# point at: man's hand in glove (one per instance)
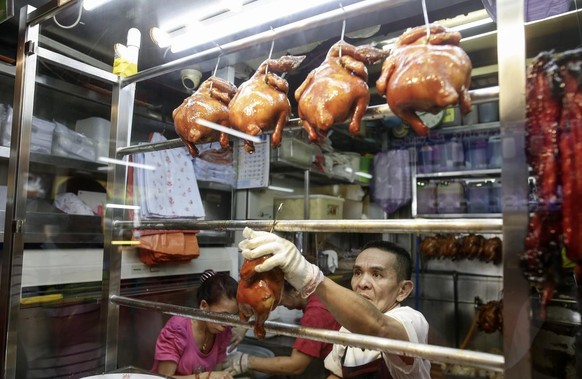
(301, 274)
(236, 363)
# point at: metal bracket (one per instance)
(30, 48)
(18, 226)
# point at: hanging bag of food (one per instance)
(391, 183)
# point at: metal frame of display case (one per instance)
(515, 362)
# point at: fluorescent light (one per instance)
(125, 242)
(472, 24)
(89, 5)
(233, 5)
(122, 206)
(363, 174)
(160, 37)
(126, 163)
(281, 189)
(215, 28)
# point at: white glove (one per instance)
(301, 274)
(236, 363)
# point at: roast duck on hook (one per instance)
(426, 75)
(209, 102)
(261, 103)
(337, 90)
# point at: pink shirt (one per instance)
(176, 343)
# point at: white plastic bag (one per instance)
(391, 185)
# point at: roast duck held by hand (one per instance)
(261, 103)
(337, 89)
(209, 102)
(426, 74)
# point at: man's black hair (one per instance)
(403, 259)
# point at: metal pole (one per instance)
(514, 174)
(431, 352)
(372, 113)
(340, 226)
(18, 167)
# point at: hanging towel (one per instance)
(170, 190)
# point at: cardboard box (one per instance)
(321, 207)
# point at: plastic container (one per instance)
(321, 207)
(489, 112)
(438, 157)
(452, 117)
(294, 151)
(495, 198)
(454, 158)
(472, 117)
(494, 157)
(426, 198)
(451, 198)
(476, 153)
(478, 197)
(425, 159)
(97, 129)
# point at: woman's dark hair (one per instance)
(214, 286)
(403, 260)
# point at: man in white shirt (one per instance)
(380, 282)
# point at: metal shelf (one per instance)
(460, 174)
(460, 215)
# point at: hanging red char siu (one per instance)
(209, 102)
(337, 90)
(261, 103)
(570, 145)
(258, 293)
(426, 74)
(554, 150)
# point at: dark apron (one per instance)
(376, 369)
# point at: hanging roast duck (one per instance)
(209, 102)
(337, 90)
(426, 74)
(261, 103)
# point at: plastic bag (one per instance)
(167, 247)
(391, 184)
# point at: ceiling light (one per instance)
(160, 37)
(233, 5)
(256, 13)
(89, 5)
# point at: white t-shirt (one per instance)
(417, 329)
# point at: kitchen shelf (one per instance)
(468, 128)
(61, 228)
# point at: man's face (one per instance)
(374, 278)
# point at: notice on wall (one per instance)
(253, 169)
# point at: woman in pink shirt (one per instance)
(191, 349)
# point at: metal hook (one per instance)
(343, 29)
(270, 55)
(216, 67)
(425, 13)
(276, 216)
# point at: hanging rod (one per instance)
(487, 225)
(339, 14)
(374, 112)
(487, 361)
